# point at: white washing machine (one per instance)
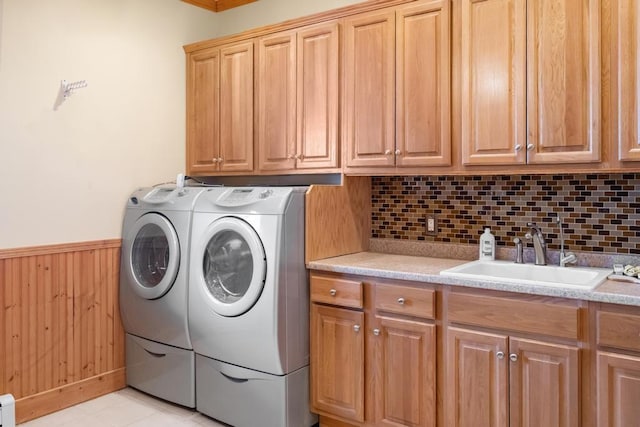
(249, 306)
(153, 292)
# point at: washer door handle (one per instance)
(155, 354)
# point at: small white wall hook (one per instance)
(67, 89)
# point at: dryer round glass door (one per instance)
(153, 252)
(233, 266)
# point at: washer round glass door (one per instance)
(233, 266)
(154, 256)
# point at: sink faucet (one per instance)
(565, 258)
(539, 245)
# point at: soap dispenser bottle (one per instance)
(487, 246)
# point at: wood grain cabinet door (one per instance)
(405, 365)
(493, 74)
(337, 361)
(625, 77)
(563, 81)
(236, 108)
(368, 127)
(317, 95)
(276, 101)
(476, 380)
(618, 390)
(544, 384)
(423, 88)
(203, 131)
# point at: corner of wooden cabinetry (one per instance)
(338, 218)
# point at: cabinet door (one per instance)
(317, 107)
(493, 119)
(369, 88)
(625, 77)
(276, 102)
(476, 381)
(544, 384)
(337, 361)
(618, 390)
(423, 90)
(563, 81)
(404, 367)
(203, 72)
(236, 108)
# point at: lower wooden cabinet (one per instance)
(498, 380)
(618, 366)
(373, 359)
(337, 361)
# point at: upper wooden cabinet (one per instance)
(297, 99)
(530, 76)
(396, 87)
(220, 110)
(625, 77)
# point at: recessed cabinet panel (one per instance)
(423, 85)
(276, 99)
(369, 119)
(236, 108)
(563, 66)
(337, 361)
(317, 120)
(544, 384)
(203, 70)
(625, 77)
(406, 358)
(618, 389)
(477, 379)
(493, 82)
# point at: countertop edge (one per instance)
(353, 264)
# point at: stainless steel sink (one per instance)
(529, 274)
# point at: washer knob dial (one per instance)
(265, 194)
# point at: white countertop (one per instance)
(427, 269)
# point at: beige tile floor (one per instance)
(126, 407)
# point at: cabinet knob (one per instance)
(376, 332)
(356, 328)
(214, 160)
(513, 357)
(333, 292)
(300, 157)
(518, 147)
(530, 147)
(500, 355)
(388, 152)
(398, 152)
(291, 156)
(401, 301)
(220, 160)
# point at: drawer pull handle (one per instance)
(500, 355)
(376, 332)
(333, 292)
(513, 357)
(356, 328)
(401, 301)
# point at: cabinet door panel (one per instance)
(405, 355)
(317, 119)
(236, 107)
(476, 379)
(625, 76)
(563, 80)
(423, 85)
(369, 104)
(544, 386)
(493, 82)
(202, 112)
(618, 390)
(276, 102)
(337, 361)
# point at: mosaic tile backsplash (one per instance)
(600, 212)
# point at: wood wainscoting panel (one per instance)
(60, 323)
